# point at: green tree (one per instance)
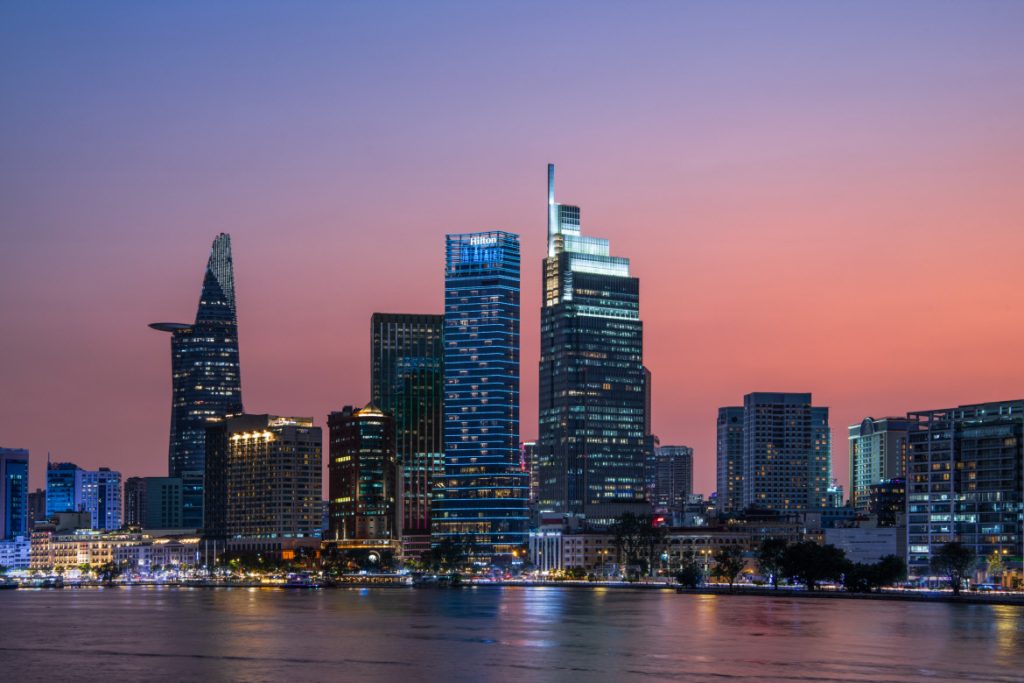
(955, 562)
(890, 570)
(108, 571)
(769, 558)
(728, 564)
(690, 574)
(810, 563)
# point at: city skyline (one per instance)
(861, 219)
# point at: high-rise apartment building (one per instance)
(729, 442)
(787, 453)
(363, 491)
(206, 381)
(878, 453)
(274, 483)
(134, 497)
(965, 475)
(406, 381)
(482, 496)
(673, 480)
(13, 493)
(592, 409)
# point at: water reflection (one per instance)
(494, 634)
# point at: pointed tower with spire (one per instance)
(206, 382)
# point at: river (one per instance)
(496, 634)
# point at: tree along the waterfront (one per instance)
(769, 558)
(954, 561)
(810, 564)
(728, 564)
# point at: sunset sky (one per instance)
(823, 197)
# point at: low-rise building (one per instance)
(15, 553)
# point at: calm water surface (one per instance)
(494, 634)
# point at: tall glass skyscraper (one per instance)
(730, 459)
(13, 492)
(206, 381)
(482, 496)
(406, 381)
(590, 443)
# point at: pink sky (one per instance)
(822, 199)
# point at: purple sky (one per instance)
(816, 196)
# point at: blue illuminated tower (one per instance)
(206, 381)
(481, 500)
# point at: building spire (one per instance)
(552, 211)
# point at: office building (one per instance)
(592, 406)
(964, 481)
(787, 453)
(363, 482)
(14, 510)
(673, 477)
(100, 496)
(878, 453)
(274, 484)
(215, 481)
(153, 503)
(205, 376)
(481, 501)
(63, 488)
(887, 501)
(729, 496)
(406, 381)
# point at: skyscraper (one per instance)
(13, 492)
(730, 459)
(878, 453)
(274, 484)
(965, 481)
(592, 418)
(362, 486)
(482, 495)
(206, 381)
(787, 453)
(673, 476)
(407, 355)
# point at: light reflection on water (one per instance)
(492, 634)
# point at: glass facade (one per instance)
(482, 498)
(362, 486)
(593, 409)
(206, 383)
(13, 492)
(407, 358)
(673, 476)
(964, 481)
(63, 488)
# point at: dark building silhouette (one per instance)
(406, 381)
(362, 486)
(593, 408)
(206, 381)
(729, 496)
